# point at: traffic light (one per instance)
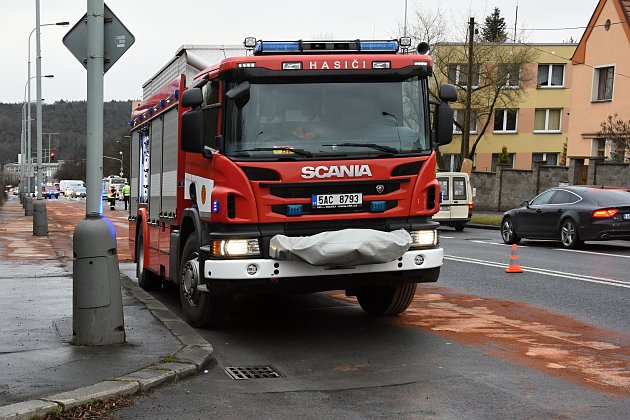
(52, 156)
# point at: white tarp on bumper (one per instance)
(346, 248)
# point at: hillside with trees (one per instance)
(69, 120)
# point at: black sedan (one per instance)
(570, 214)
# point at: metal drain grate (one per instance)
(252, 372)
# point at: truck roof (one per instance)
(189, 59)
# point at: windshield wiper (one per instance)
(300, 152)
(374, 146)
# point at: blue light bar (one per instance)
(295, 209)
(276, 46)
(378, 206)
(380, 46)
(215, 206)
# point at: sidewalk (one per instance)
(40, 369)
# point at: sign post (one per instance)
(97, 41)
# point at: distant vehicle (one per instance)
(117, 182)
(66, 184)
(76, 191)
(50, 191)
(571, 215)
(456, 199)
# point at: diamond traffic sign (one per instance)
(117, 39)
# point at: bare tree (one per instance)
(616, 132)
(500, 74)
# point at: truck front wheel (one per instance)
(386, 300)
(201, 309)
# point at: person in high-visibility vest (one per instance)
(126, 192)
(112, 198)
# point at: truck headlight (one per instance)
(424, 238)
(235, 247)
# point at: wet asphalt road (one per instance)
(552, 342)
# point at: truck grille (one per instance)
(306, 190)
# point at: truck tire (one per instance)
(148, 280)
(459, 226)
(386, 300)
(201, 309)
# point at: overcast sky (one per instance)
(161, 26)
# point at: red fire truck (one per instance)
(300, 166)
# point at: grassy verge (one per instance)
(487, 219)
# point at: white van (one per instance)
(456, 199)
(67, 186)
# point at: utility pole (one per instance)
(469, 80)
(40, 219)
(97, 313)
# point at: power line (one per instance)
(568, 59)
(570, 28)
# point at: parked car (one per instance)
(456, 199)
(571, 215)
(50, 191)
(75, 191)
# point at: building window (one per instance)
(600, 145)
(458, 74)
(452, 162)
(495, 158)
(505, 120)
(509, 75)
(459, 118)
(603, 84)
(550, 75)
(550, 158)
(547, 120)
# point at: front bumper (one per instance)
(231, 276)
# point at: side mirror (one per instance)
(448, 93)
(444, 124)
(192, 130)
(239, 94)
(525, 204)
(192, 97)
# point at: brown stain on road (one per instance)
(530, 336)
(17, 241)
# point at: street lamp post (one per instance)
(40, 220)
(28, 118)
(121, 163)
(26, 149)
(119, 160)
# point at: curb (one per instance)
(190, 359)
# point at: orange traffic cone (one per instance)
(514, 266)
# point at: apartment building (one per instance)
(531, 113)
(601, 80)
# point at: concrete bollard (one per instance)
(28, 205)
(40, 219)
(97, 314)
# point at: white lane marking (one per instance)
(446, 237)
(552, 273)
(495, 243)
(592, 252)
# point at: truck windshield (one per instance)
(320, 119)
